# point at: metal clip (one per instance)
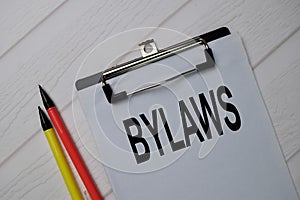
(148, 48)
(111, 96)
(102, 77)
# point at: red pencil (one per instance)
(70, 146)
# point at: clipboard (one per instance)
(185, 122)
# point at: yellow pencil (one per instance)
(59, 156)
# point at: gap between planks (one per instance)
(275, 48)
(32, 29)
(32, 136)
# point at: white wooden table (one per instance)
(45, 41)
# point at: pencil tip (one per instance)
(45, 122)
(42, 91)
(48, 103)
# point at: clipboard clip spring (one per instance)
(150, 56)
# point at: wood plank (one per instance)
(110, 197)
(18, 18)
(278, 79)
(293, 164)
(35, 171)
(54, 60)
(32, 172)
(263, 25)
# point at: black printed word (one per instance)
(203, 112)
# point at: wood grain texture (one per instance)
(110, 197)
(278, 79)
(263, 25)
(18, 18)
(53, 62)
(32, 172)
